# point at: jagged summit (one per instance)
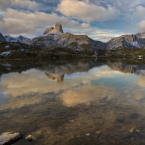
(58, 27)
(2, 38)
(54, 37)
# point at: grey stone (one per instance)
(9, 138)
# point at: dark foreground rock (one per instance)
(9, 138)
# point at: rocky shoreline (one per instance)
(25, 52)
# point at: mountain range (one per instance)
(55, 37)
(7, 38)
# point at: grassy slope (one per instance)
(23, 51)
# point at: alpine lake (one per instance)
(82, 102)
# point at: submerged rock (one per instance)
(88, 134)
(29, 138)
(9, 138)
(132, 130)
(98, 132)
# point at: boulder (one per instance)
(9, 138)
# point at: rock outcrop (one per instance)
(58, 27)
(2, 38)
(48, 30)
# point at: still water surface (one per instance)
(74, 103)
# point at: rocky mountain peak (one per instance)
(2, 38)
(58, 27)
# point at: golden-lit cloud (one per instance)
(18, 89)
(87, 94)
(34, 81)
(138, 94)
(32, 5)
(87, 11)
(15, 103)
(141, 81)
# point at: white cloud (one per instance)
(28, 23)
(28, 4)
(87, 12)
(139, 12)
(142, 25)
(141, 81)
(25, 22)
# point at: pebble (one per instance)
(88, 134)
(72, 121)
(98, 132)
(29, 138)
(132, 130)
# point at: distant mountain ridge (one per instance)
(55, 37)
(20, 39)
(126, 41)
(7, 38)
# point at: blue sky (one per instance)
(99, 19)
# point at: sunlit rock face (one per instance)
(54, 37)
(48, 30)
(2, 38)
(58, 27)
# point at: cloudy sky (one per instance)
(99, 19)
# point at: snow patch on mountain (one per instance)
(20, 39)
(134, 43)
(5, 53)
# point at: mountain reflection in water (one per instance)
(59, 103)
